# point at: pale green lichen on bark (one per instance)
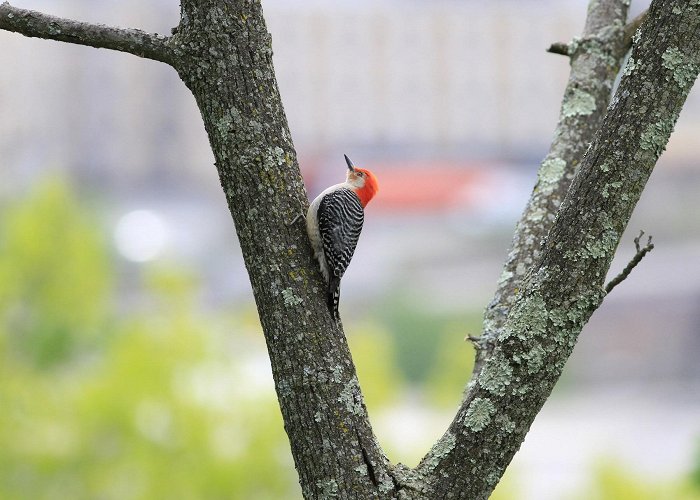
(505, 422)
(598, 247)
(337, 373)
(386, 485)
(361, 469)
(441, 449)
(551, 171)
(610, 187)
(505, 276)
(497, 374)
(327, 489)
(494, 477)
(598, 45)
(579, 103)
(559, 317)
(225, 125)
(349, 397)
(683, 68)
(290, 299)
(479, 414)
(572, 315)
(528, 317)
(655, 137)
(275, 156)
(636, 36)
(629, 67)
(534, 358)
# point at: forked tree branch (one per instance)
(564, 49)
(39, 25)
(594, 66)
(537, 317)
(565, 284)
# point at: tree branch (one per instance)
(594, 66)
(641, 252)
(565, 284)
(565, 49)
(225, 59)
(535, 318)
(36, 24)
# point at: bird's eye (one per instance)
(360, 174)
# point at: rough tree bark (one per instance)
(595, 62)
(553, 279)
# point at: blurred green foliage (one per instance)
(54, 277)
(154, 404)
(611, 481)
(429, 347)
(148, 396)
(695, 474)
(373, 352)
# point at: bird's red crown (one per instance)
(362, 181)
(369, 188)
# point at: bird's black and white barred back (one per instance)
(340, 219)
(334, 222)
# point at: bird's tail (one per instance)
(333, 297)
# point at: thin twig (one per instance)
(641, 252)
(37, 24)
(564, 49)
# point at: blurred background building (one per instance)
(453, 105)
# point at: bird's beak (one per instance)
(351, 167)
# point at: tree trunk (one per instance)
(225, 58)
(222, 51)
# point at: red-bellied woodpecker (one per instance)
(334, 222)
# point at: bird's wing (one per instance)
(340, 219)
